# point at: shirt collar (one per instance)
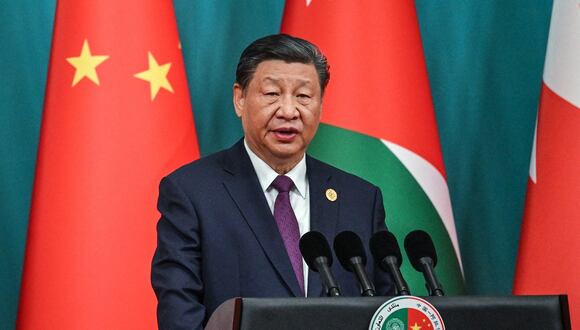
(266, 174)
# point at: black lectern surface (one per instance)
(461, 312)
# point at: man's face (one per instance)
(280, 111)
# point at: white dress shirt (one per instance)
(299, 195)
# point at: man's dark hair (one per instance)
(281, 47)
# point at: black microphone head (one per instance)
(418, 244)
(384, 244)
(313, 245)
(348, 245)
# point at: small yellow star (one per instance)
(156, 75)
(415, 327)
(86, 64)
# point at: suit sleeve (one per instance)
(176, 268)
(383, 283)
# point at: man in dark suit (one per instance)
(230, 222)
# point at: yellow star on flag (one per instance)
(415, 327)
(86, 64)
(156, 75)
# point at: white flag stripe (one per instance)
(562, 68)
(533, 158)
(433, 184)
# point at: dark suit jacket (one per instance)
(217, 238)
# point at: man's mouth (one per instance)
(285, 133)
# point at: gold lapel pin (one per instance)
(331, 194)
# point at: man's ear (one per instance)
(239, 99)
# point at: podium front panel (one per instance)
(474, 313)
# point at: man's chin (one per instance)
(287, 151)
(287, 156)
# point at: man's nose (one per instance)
(288, 107)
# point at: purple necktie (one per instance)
(288, 225)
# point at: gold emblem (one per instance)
(331, 194)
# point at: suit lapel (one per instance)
(244, 188)
(323, 213)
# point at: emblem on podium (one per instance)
(406, 312)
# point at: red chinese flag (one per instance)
(548, 261)
(417, 320)
(117, 118)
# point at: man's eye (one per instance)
(303, 98)
(271, 94)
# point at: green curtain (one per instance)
(25, 34)
(213, 34)
(485, 61)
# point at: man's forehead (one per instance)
(284, 65)
(278, 71)
(278, 79)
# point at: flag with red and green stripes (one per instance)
(378, 120)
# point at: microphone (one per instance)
(351, 254)
(423, 257)
(387, 255)
(318, 257)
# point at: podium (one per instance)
(458, 312)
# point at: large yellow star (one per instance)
(156, 75)
(86, 64)
(415, 327)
